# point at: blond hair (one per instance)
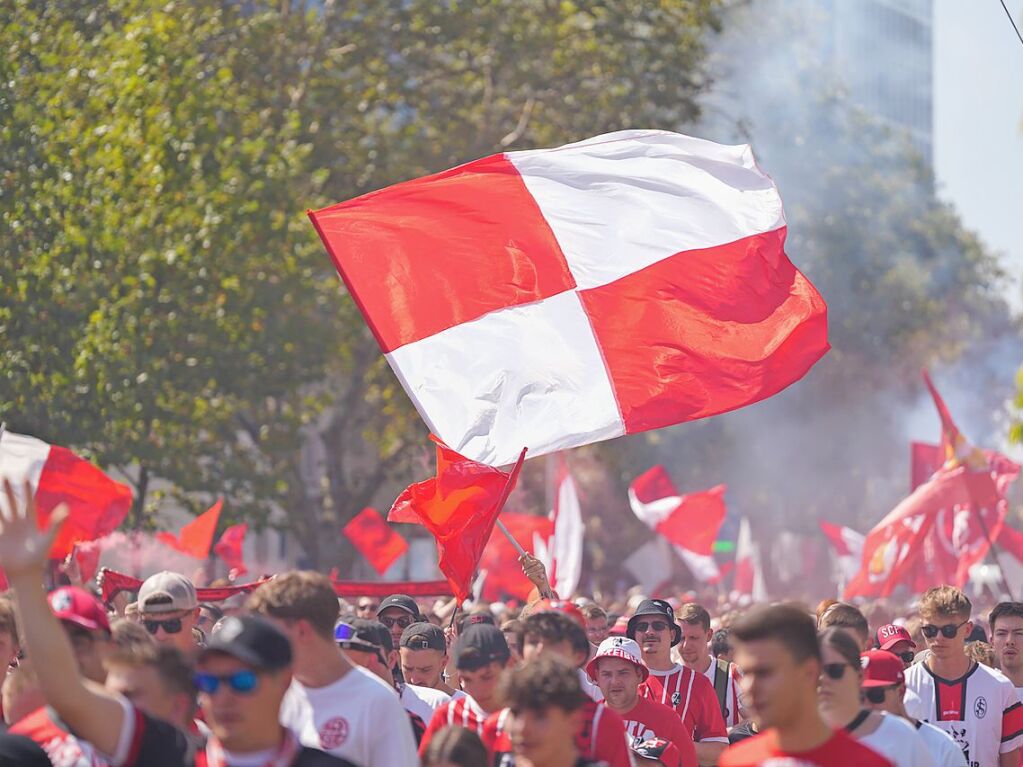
(946, 602)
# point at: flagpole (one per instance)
(510, 537)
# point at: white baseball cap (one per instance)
(618, 647)
(167, 592)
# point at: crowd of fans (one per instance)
(290, 674)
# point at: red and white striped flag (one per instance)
(689, 522)
(96, 503)
(566, 545)
(556, 297)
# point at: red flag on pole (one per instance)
(230, 547)
(459, 507)
(374, 539)
(925, 459)
(690, 522)
(196, 537)
(96, 504)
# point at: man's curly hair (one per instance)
(541, 683)
(556, 627)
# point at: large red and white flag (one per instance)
(689, 522)
(566, 545)
(557, 297)
(848, 547)
(945, 526)
(97, 504)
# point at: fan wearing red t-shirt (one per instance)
(777, 650)
(692, 696)
(619, 669)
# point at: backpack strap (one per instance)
(721, 685)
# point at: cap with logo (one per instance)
(890, 635)
(655, 607)
(424, 636)
(254, 641)
(77, 606)
(618, 647)
(479, 645)
(167, 592)
(881, 669)
(363, 634)
(402, 602)
(658, 750)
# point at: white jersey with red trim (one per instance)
(731, 709)
(980, 710)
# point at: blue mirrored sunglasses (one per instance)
(240, 681)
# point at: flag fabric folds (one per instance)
(749, 573)
(230, 548)
(500, 565)
(566, 545)
(558, 297)
(459, 507)
(374, 539)
(848, 547)
(196, 538)
(924, 460)
(96, 503)
(689, 522)
(945, 526)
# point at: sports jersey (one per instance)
(730, 711)
(143, 741)
(422, 701)
(898, 740)
(692, 697)
(649, 719)
(763, 749)
(344, 718)
(461, 712)
(943, 750)
(980, 710)
(602, 737)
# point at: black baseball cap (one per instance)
(424, 636)
(402, 602)
(661, 609)
(253, 640)
(479, 645)
(363, 634)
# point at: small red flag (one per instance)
(196, 537)
(229, 548)
(374, 539)
(459, 507)
(86, 556)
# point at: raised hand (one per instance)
(24, 548)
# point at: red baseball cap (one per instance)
(77, 606)
(888, 636)
(881, 669)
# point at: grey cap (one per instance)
(167, 592)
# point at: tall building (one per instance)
(883, 55)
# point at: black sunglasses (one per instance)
(876, 694)
(643, 626)
(835, 670)
(948, 631)
(172, 626)
(908, 656)
(404, 622)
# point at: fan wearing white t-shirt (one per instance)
(976, 705)
(884, 687)
(332, 704)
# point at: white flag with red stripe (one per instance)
(552, 298)
(689, 522)
(848, 547)
(96, 503)
(749, 572)
(566, 545)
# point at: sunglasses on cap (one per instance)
(244, 681)
(403, 622)
(835, 670)
(907, 656)
(948, 631)
(171, 626)
(643, 626)
(876, 695)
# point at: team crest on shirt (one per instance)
(980, 707)
(676, 698)
(333, 733)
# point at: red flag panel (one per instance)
(374, 539)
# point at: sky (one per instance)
(978, 123)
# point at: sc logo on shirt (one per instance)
(980, 707)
